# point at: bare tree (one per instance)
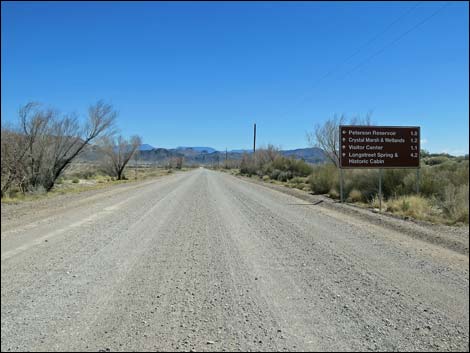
(23, 148)
(267, 154)
(13, 153)
(36, 127)
(119, 152)
(326, 135)
(179, 162)
(69, 140)
(44, 144)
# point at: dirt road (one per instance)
(205, 261)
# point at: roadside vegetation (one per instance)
(40, 153)
(443, 188)
(443, 184)
(86, 176)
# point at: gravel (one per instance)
(204, 261)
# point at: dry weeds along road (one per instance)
(206, 261)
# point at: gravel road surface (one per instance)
(206, 261)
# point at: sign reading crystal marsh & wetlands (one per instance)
(363, 146)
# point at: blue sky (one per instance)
(201, 74)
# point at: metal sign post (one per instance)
(380, 189)
(341, 184)
(417, 180)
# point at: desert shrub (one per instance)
(75, 180)
(297, 180)
(333, 193)
(266, 178)
(409, 184)
(38, 190)
(364, 180)
(275, 174)
(355, 196)
(431, 182)
(296, 167)
(323, 178)
(375, 202)
(300, 168)
(393, 182)
(412, 206)
(271, 163)
(12, 192)
(455, 203)
(284, 176)
(435, 179)
(458, 172)
(436, 160)
(247, 165)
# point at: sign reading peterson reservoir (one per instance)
(379, 146)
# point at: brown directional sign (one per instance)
(379, 146)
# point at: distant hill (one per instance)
(202, 155)
(158, 155)
(241, 151)
(311, 155)
(146, 147)
(198, 149)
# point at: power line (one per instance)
(380, 51)
(373, 39)
(357, 51)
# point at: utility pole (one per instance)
(254, 140)
(225, 157)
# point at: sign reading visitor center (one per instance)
(379, 146)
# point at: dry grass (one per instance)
(91, 180)
(355, 196)
(414, 206)
(455, 203)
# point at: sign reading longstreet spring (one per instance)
(379, 146)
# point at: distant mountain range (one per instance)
(204, 155)
(209, 155)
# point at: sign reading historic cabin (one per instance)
(379, 146)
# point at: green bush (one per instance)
(284, 176)
(247, 165)
(75, 181)
(364, 180)
(274, 165)
(296, 167)
(297, 180)
(275, 174)
(323, 179)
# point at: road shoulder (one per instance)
(454, 238)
